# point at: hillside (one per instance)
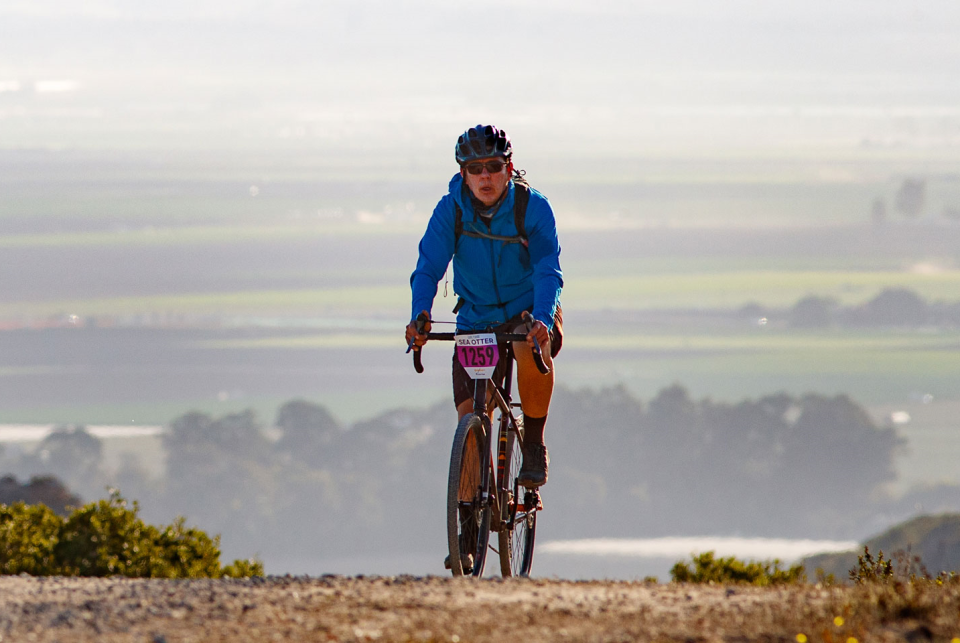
(935, 539)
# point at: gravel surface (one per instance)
(333, 608)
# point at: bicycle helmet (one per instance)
(483, 142)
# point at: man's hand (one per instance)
(413, 337)
(538, 334)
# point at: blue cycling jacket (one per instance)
(496, 279)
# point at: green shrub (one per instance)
(28, 537)
(709, 569)
(870, 570)
(188, 553)
(243, 568)
(107, 538)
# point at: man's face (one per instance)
(487, 186)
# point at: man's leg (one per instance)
(536, 390)
(464, 408)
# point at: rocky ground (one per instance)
(461, 610)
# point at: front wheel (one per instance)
(468, 515)
(516, 543)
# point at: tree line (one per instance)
(307, 485)
(892, 307)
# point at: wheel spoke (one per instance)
(468, 515)
(519, 518)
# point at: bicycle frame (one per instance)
(500, 398)
(489, 502)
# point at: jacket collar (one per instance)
(458, 190)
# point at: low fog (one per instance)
(369, 80)
(209, 212)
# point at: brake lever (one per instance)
(528, 320)
(422, 321)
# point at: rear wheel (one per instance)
(516, 544)
(468, 517)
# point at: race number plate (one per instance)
(478, 354)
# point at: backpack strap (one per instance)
(457, 225)
(521, 197)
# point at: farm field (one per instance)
(693, 290)
(142, 289)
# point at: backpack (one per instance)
(521, 197)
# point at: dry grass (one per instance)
(443, 609)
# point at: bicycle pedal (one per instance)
(466, 563)
(538, 501)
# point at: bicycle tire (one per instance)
(468, 518)
(516, 544)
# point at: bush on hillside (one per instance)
(28, 537)
(707, 568)
(107, 538)
(925, 546)
(870, 569)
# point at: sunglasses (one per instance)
(493, 167)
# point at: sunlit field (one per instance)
(146, 289)
(696, 288)
(731, 290)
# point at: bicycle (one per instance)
(482, 497)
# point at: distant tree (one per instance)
(673, 406)
(834, 451)
(46, 490)
(771, 466)
(896, 307)
(308, 432)
(223, 471)
(813, 312)
(70, 453)
(678, 458)
(71, 447)
(391, 470)
(189, 429)
(137, 482)
(761, 466)
(911, 197)
(601, 451)
(239, 434)
(777, 405)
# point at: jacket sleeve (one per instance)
(436, 250)
(545, 257)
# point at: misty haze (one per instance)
(209, 213)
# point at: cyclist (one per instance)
(499, 272)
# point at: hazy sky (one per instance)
(632, 77)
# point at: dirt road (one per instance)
(456, 610)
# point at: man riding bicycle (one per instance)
(502, 237)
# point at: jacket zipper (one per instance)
(493, 271)
(493, 268)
